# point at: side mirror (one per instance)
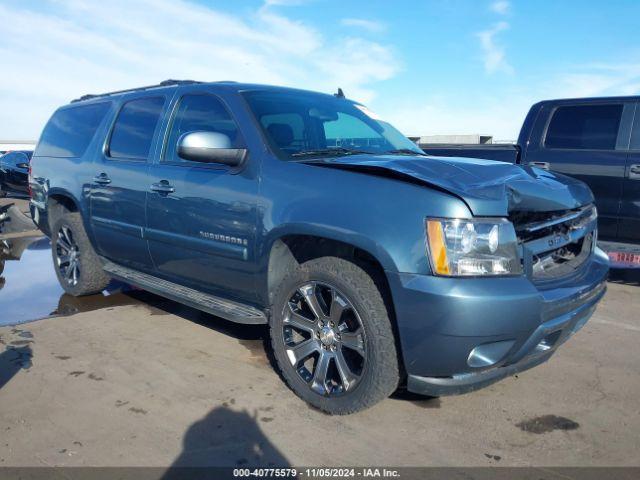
(210, 147)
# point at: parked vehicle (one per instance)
(502, 152)
(374, 265)
(14, 173)
(596, 140)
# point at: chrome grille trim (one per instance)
(582, 213)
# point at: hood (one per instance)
(489, 188)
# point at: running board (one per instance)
(233, 311)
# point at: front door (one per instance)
(121, 181)
(201, 217)
(629, 226)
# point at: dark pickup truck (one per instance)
(596, 140)
(374, 265)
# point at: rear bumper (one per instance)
(39, 216)
(459, 335)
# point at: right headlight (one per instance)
(478, 247)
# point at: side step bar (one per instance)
(233, 311)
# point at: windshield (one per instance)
(301, 125)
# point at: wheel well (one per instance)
(57, 205)
(293, 250)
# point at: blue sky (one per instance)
(429, 66)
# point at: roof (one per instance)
(592, 99)
(176, 83)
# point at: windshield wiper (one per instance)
(337, 152)
(404, 151)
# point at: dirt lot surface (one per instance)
(142, 381)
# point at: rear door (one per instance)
(629, 226)
(587, 141)
(121, 181)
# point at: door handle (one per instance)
(102, 179)
(163, 187)
(542, 165)
(634, 172)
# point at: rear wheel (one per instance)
(332, 337)
(77, 265)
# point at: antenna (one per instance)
(340, 93)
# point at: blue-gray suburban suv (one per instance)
(374, 265)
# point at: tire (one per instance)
(363, 366)
(68, 234)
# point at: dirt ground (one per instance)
(141, 381)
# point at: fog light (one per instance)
(489, 353)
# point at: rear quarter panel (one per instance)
(69, 176)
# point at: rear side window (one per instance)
(133, 131)
(70, 131)
(584, 127)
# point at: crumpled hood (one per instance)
(488, 187)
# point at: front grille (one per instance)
(555, 244)
(562, 261)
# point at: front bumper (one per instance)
(461, 334)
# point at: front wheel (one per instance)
(77, 265)
(332, 336)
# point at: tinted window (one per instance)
(134, 128)
(591, 127)
(200, 113)
(21, 157)
(70, 131)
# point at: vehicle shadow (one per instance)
(224, 438)
(12, 360)
(625, 276)
(232, 329)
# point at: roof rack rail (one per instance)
(165, 83)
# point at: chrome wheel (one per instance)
(324, 339)
(67, 257)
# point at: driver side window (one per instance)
(199, 113)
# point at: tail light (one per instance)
(30, 179)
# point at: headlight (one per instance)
(473, 247)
